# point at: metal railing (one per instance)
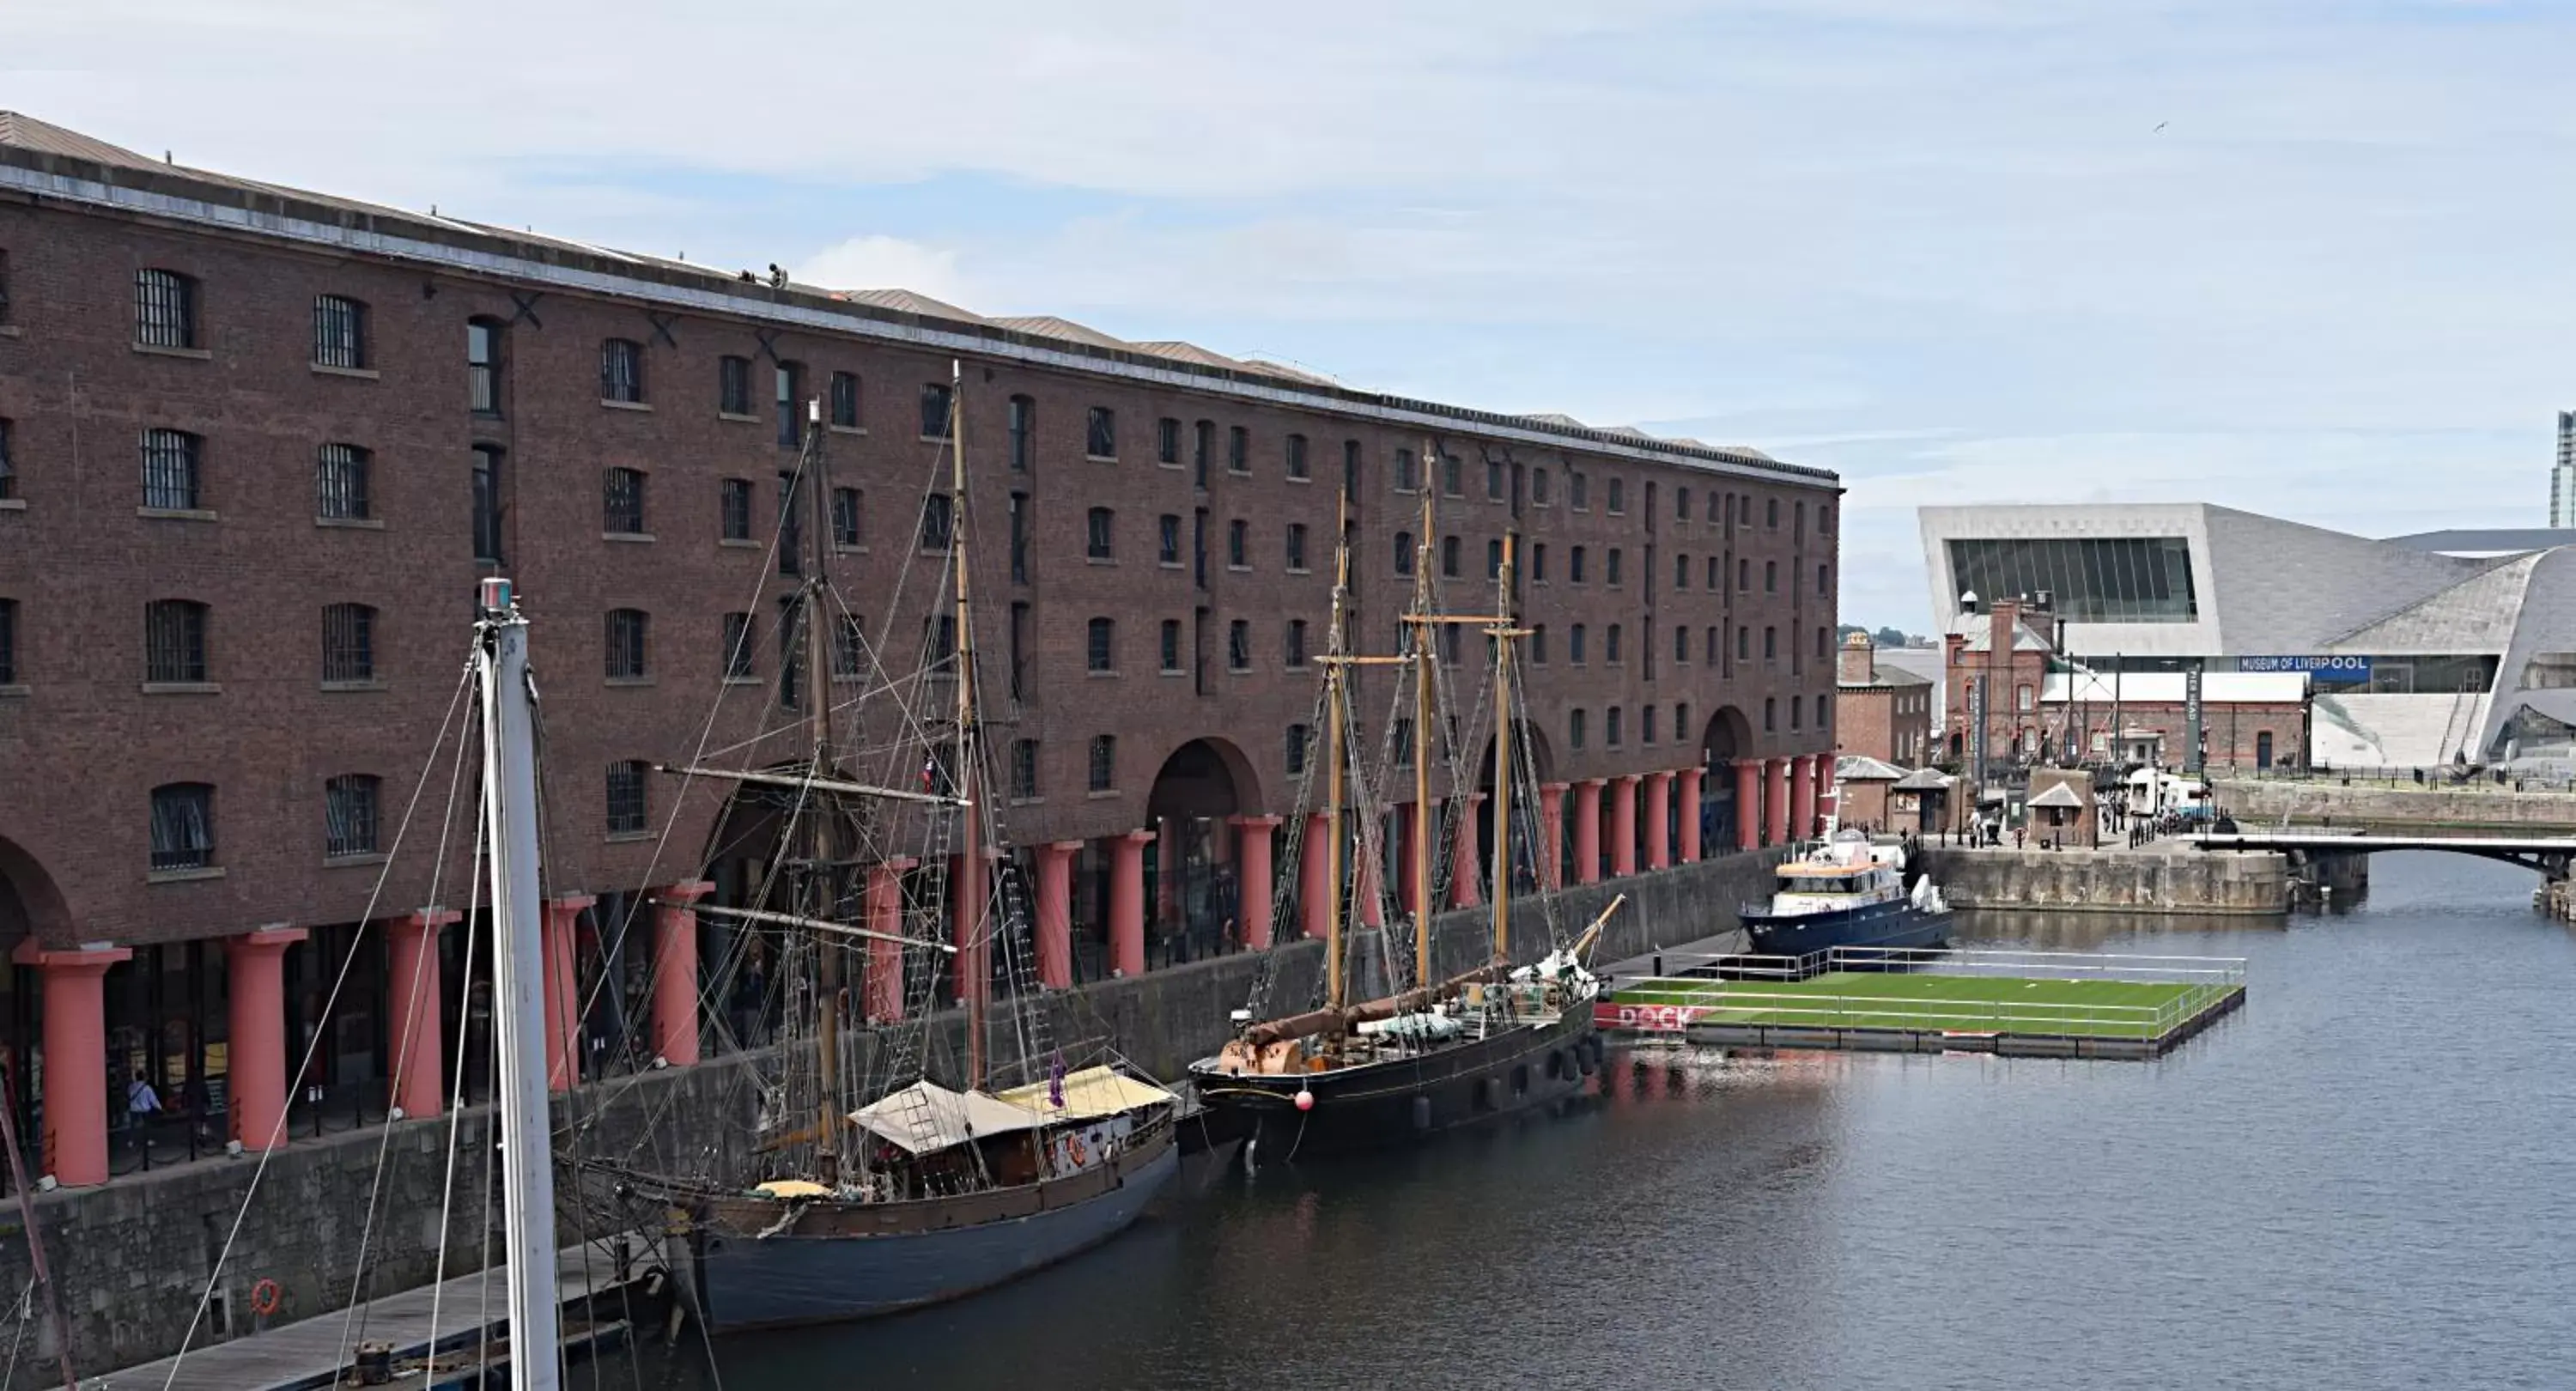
(2205, 980)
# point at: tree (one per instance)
(1889, 637)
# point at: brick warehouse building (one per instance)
(257, 445)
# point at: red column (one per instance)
(1659, 821)
(563, 992)
(1252, 878)
(1314, 877)
(1690, 815)
(412, 1000)
(1055, 913)
(1623, 826)
(75, 1076)
(1409, 892)
(1466, 876)
(255, 979)
(1802, 798)
(884, 907)
(1748, 804)
(1551, 834)
(1587, 831)
(1127, 902)
(675, 972)
(1775, 802)
(1824, 789)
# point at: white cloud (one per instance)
(881, 262)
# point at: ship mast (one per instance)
(1335, 671)
(829, 992)
(1425, 659)
(1504, 633)
(968, 891)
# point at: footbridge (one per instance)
(2549, 855)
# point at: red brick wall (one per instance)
(82, 749)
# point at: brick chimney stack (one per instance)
(2003, 621)
(1859, 661)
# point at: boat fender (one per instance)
(1587, 1055)
(1555, 1063)
(1422, 1113)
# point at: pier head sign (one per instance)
(2336, 668)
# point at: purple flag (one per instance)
(1055, 1082)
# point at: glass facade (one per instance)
(2125, 579)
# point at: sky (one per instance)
(2304, 257)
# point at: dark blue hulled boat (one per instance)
(1849, 893)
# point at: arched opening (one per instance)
(1535, 758)
(1192, 887)
(31, 909)
(1727, 738)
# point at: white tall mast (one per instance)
(518, 977)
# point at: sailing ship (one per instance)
(870, 1187)
(1440, 1054)
(1847, 892)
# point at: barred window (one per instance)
(1238, 645)
(340, 483)
(1101, 534)
(845, 400)
(483, 366)
(937, 511)
(1300, 739)
(1238, 543)
(1104, 762)
(1579, 491)
(1238, 449)
(936, 410)
(174, 641)
(628, 811)
(1167, 441)
(1100, 433)
(1171, 645)
(733, 385)
(621, 370)
(348, 642)
(183, 825)
(625, 651)
(349, 815)
(170, 467)
(850, 646)
(1452, 476)
(1168, 550)
(487, 497)
(846, 515)
(1296, 651)
(1296, 545)
(339, 332)
(622, 501)
(1408, 474)
(8, 642)
(165, 309)
(738, 638)
(1020, 427)
(1297, 467)
(1102, 647)
(1024, 768)
(734, 510)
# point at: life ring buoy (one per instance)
(265, 1297)
(1074, 1150)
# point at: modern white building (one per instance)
(2422, 650)
(2562, 475)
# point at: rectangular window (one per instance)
(339, 332)
(1579, 492)
(1771, 514)
(174, 642)
(1238, 645)
(1202, 449)
(1646, 724)
(738, 639)
(1449, 640)
(733, 385)
(734, 510)
(1297, 467)
(1824, 581)
(1238, 542)
(625, 645)
(1300, 737)
(628, 813)
(1296, 651)
(170, 459)
(1574, 566)
(1101, 649)
(1100, 433)
(488, 503)
(1019, 538)
(1404, 553)
(1712, 645)
(1238, 450)
(348, 643)
(1019, 636)
(1408, 477)
(483, 366)
(1610, 570)
(2125, 579)
(937, 410)
(1452, 476)
(1538, 563)
(621, 370)
(791, 528)
(1024, 768)
(1681, 572)
(938, 510)
(1618, 496)
(1297, 546)
(1681, 644)
(1574, 646)
(1770, 644)
(621, 501)
(788, 396)
(349, 816)
(846, 516)
(339, 483)
(1610, 722)
(1351, 467)
(1168, 549)
(1167, 441)
(1104, 762)
(1538, 644)
(165, 309)
(1020, 428)
(1743, 644)
(183, 826)
(1681, 504)
(1171, 646)
(8, 642)
(791, 651)
(1716, 575)
(1610, 645)
(1101, 534)
(850, 645)
(1770, 577)
(1449, 556)
(845, 400)
(1538, 486)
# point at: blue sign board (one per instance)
(2340, 668)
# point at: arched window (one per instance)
(165, 309)
(1574, 729)
(621, 370)
(1102, 648)
(1101, 534)
(171, 461)
(349, 815)
(483, 366)
(174, 642)
(348, 643)
(340, 492)
(1574, 645)
(626, 632)
(183, 826)
(339, 333)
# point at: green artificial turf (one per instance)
(1954, 1004)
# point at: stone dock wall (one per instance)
(2113, 881)
(133, 1257)
(2270, 802)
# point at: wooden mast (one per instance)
(1504, 633)
(968, 891)
(829, 991)
(1334, 674)
(1425, 659)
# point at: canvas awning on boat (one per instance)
(1089, 1094)
(926, 1116)
(791, 1188)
